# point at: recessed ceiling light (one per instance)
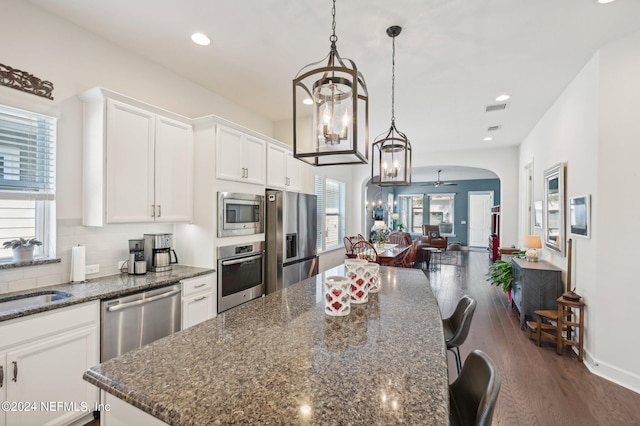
(488, 138)
(605, 1)
(201, 39)
(503, 97)
(308, 101)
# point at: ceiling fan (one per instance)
(438, 182)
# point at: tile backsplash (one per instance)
(105, 246)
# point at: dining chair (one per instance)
(409, 258)
(456, 327)
(365, 250)
(399, 238)
(348, 247)
(473, 395)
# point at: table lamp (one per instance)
(532, 243)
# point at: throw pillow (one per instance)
(434, 234)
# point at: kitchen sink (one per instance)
(31, 299)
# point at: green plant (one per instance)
(499, 274)
(400, 227)
(21, 242)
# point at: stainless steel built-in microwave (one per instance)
(240, 214)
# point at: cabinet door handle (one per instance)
(153, 210)
(199, 285)
(159, 210)
(1, 376)
(15, 371)
(197, 299)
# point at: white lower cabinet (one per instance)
(4, 377)
(198, 300)
(43, 358)
(120, 413)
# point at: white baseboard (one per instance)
(612, 373)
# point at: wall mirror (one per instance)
(554, 206)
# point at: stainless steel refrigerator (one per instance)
(291, 225)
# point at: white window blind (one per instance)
(331, 213)
(27, 152)
(27, 178)
(319, 191)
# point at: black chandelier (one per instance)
(331, 110)
(391, 151)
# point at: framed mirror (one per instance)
(554, 207)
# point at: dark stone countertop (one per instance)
(280, 360)
(101, 288)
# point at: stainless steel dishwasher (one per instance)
(134, 320)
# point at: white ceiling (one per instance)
(452, 59)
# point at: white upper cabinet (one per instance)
(239, 156)
(173, 171)
(283, 171)
(129, 163)
(138, 163)
(293, 172)
(276, 169)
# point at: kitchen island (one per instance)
(280, 360)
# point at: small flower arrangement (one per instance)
(21, 242)
(380, 236)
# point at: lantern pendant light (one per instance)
(331, 110)
(391, 151)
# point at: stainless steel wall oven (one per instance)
(240, 274)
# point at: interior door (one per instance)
(480, 218)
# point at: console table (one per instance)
(536, 286)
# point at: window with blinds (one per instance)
(27, 177)
(331, 212)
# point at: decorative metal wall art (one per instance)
(25, 82)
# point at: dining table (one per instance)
(280, 359)
(391, 253)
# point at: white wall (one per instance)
(594, 128)
(76, 60)
(616, 291)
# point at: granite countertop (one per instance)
(280, 360)
(102, 288)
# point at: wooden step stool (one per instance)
(558, 325)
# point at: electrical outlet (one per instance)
(92, 269)
(121, 264)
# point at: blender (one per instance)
(137, 262)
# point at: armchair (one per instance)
(431, 236)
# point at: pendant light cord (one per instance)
(334, 38)
(393, 80)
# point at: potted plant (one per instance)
(400, 227)
(22, 248)
(500, 275)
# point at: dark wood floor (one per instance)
(539, 387)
